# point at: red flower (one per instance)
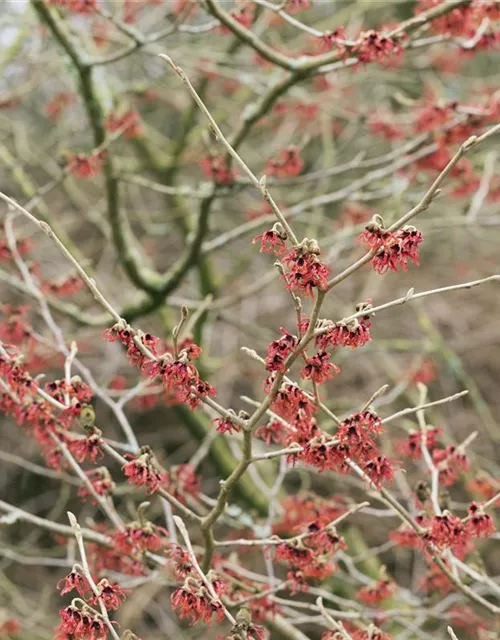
(292, 401)
(318, 369)
(194, 602)
(450, 463)
(374, 235)
(63, 287)
(403, 247)
(226, 425)
(138, 536)
(9, 628)
(81, 624)
(480, 524)
(273, 432)
(74, 581)
(373, 46)
(372, 633)
(306, 271)
(279, 350)
(141, 472)
(412, 446)
(379, 470)
(244, 15)
(294, 554)
(89, 447)
(447, 530)
(272, 240)
(334, 38)
(376, 593)
(180, 560)
(78, 6)
(182, 481)
(358, 433)
(101, 482)
(111, 594)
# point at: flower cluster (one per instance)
(80, 619)
(140, 536)
(306, 272)
(310, 555)
(279, 350)
(397, 250)
(16, 327)
(373, 46)
(101, 482)
(351, 333)
(141, 472)
(412, 446)
(273, 240)
(181, 377)
(450, 462)
(307, 512)
(193, 601)
(380, 590)
(318, 368)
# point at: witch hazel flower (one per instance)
(379, 470)
(448, 531)
(380, 590)
(88, 448)
(74, 580)
(141, 472)
(450, 462)
(140, 535)
(374, 234)
(319, 369)
(179, 561)
(402, 247)
(81, 623)
(101, 481)
(181, 377)
(352, 333)
(141, 347)
(359, 432)
(227, 424)
(306, 272)
(412, 446)
(479, 523)
(373, 46)
(279, 350)
(110, 593)
(273, 240)
(193, 602)
(181, 481)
